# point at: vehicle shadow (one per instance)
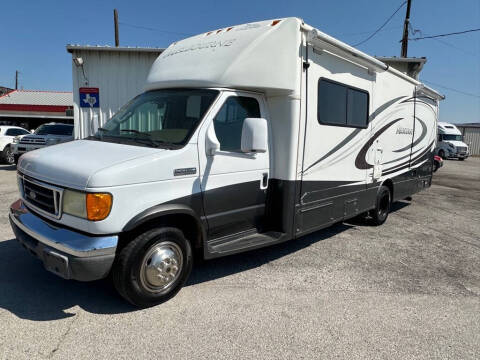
(30, 292)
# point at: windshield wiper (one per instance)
(135, 132)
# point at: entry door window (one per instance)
(228, 123)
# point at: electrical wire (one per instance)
(153, 29)
(451, 89)
(442, 35)
(381, 27)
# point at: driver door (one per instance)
(234, 183)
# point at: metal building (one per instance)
(104, 79)
(471, 136)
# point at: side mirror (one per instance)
(254, 135)
(212, 145)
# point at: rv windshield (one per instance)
(159, 118)
(452, 137)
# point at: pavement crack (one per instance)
(63, 337)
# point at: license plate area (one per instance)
(56, 263)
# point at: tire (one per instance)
(153, 267)
(8, 156)
(384, 199)
(461, 159)
(15, 158)
(441, 153)
(435, 166)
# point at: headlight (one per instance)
(74, 203)
(90, 206)
(16, 139)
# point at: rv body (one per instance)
(450, 142)
(328, 130)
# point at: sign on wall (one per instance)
(89, 97)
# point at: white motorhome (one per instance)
(450, 142)
(245, 137)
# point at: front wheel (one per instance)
(153, 267)
(8, 155)
(380, 213)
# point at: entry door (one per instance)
(234, 184)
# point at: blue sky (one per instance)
(34, 35)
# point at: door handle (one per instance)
(264, 182)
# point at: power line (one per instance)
(449, 34)
(381, 27)
(451, 89)
(153, 29)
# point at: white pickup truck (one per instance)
(8, 134)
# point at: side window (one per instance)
(341, 105)
(229, 121)
(15, 132)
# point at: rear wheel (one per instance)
(441, 153)
(8, 155)
(380, 213)
(153, 267)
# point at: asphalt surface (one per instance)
(409, 289)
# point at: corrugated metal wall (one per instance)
(120, 76)
(471, 136)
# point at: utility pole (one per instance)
(115, 21)
(405, 30)
(16, 79)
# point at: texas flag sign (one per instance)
(89, 97)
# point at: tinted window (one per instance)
(341, 105)
(57, 129)
(332, 105)
(357, 108)
(229, 121)
(15, 132)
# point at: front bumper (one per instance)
(19, 149)
(67, 253)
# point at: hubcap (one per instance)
(161, 266)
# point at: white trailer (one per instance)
(450, 142)
(244, 137)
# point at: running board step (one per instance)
(237, 243)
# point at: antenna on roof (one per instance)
(16, 79)
(115, 22)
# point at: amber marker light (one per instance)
(98, 206)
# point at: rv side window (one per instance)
(229, 121)
(341, 105)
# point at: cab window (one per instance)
(228, 123)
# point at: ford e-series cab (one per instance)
(244, 137)
(450, 142)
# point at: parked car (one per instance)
(7, 136)
(437, 163)
(44, 135)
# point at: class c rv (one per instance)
(450, 142)
(244, 137)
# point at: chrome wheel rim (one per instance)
(161, 266)
(9, 156)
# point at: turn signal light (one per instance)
(98, 206)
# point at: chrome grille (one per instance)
(461, 149)
(44, 198)
(32, 140)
